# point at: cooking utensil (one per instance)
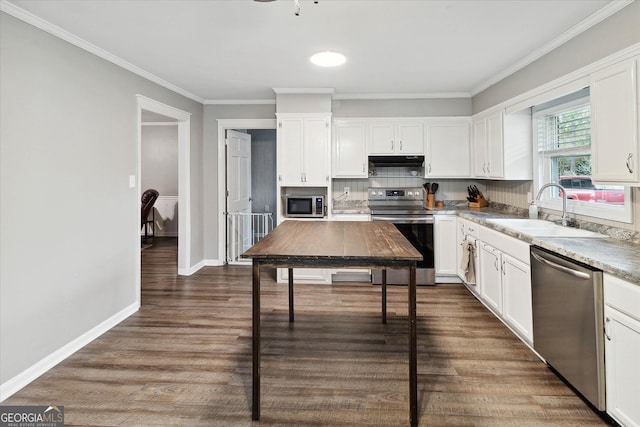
(434, 187)
(427, 187)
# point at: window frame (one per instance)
(541, 175)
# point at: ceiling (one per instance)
(219, 51)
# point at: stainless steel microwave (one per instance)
(305, 206)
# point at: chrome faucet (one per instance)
(564, 199)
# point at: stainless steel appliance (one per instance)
(568, 329)
(404, 207)
(305, 206)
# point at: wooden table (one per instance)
(333, 244)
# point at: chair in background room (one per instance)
(149, 197)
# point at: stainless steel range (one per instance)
(404, 207)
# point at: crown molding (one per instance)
(29, 18)
(572, 32)
(432, 95)
(239, 102)
(304, 91)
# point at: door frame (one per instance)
(184, 181)
(223, 125)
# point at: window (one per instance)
(562, 129)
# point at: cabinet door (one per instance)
(490, 277)
(445, 244)
(315, 154)
(516, 286)
(448, 150)
(289, 151)
(381, 138)
(480, 147)
(495, 166)
(460, 237)
(349, 150)
(622, 347)
(614, 124)
(409, 138)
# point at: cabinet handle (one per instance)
(392, 145)
(629, 163)
(400, 145)
(606, 327)
(363, 168)
(495, 264)
(429, 167)
(327, 178)
(484, 167)
(503, 269)
(279, 177)
(488, 167)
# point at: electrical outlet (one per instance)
(266, 208)
(346, 190)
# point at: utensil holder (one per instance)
(431, 200)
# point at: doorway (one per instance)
(183, 120)
(258, 128)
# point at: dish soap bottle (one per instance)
(533, 210)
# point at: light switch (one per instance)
(132, 181)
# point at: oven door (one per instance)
(419, 231)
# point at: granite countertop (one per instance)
(618, 257)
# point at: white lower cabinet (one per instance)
(351, 274)
(491, 277)
(444, 232)
(305, 275)
(622, 350)
(467, 231)
(516, 287)
(505, 280)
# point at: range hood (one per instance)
(396, 161)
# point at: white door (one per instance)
(238, 193)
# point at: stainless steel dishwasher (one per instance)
(568, 327)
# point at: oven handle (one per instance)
(398, 220)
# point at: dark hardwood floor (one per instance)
(185, 359)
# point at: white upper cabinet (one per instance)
(349, 149)
(303, 151)
(502, 145)
(614, 124)
(448, 149)
(396, 138)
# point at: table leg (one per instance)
(291, 295)
(384, 296)
(255, 414)
(413, 370)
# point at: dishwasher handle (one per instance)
(575, 273)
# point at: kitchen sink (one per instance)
(542, 228)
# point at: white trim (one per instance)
(223, 125)
(303, 90)
(432, 95)
(65, 35)
(572, 32)
(213, 263)
(21, 380)
(184, 178)
(159, 124)
(188, 271)
(239, 102)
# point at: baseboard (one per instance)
(16, 383)
(213, 263)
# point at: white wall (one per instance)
(69, 221)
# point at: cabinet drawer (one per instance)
(622, 295)
(507, 244)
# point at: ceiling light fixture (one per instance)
(296, 5)
(328, 59)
